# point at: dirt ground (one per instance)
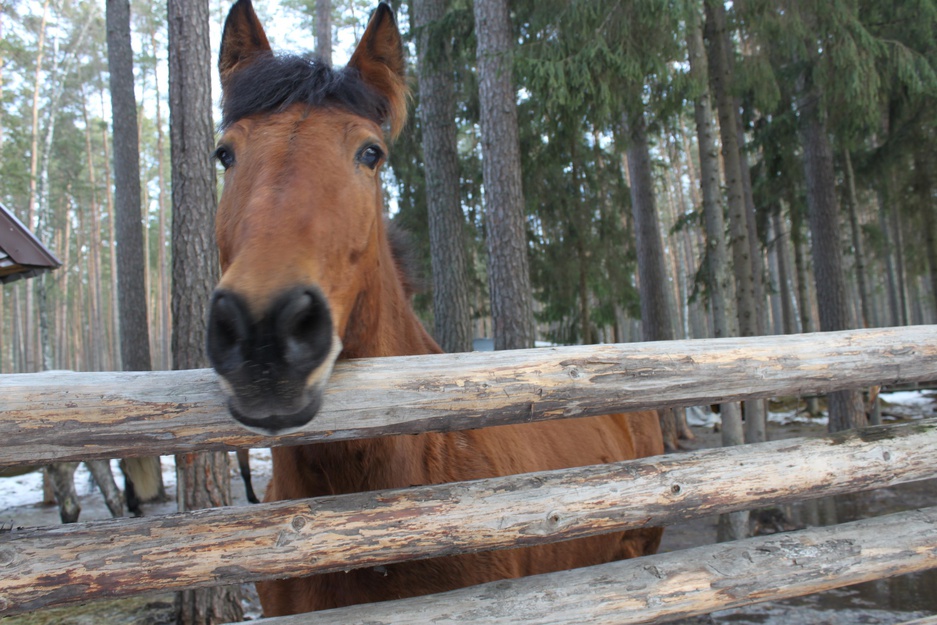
(885, 602)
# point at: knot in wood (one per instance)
(553, 518)
(298, 523)
(7, 557)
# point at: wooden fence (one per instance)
(61, 416)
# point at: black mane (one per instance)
(272, 83)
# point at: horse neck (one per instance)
(382, 324)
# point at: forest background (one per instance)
(811, 110)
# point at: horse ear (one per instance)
(380, 62)
(242, 40)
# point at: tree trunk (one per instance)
(788, 316)
(898, 239)
(164, 319)
(927, 208)
(734, 525)
(748, 313)
(203, 479)
(131, 288)
(508, 271)
(324, 30)
(451, 310)
(95, 308)
(884, 200)
(718, 285)
(774, 273)
(857, 247)
(113, 328)
(754, 242)
(656, 317)
(845, 407)
(28, 350)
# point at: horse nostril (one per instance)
(304, 329)
(228, 331)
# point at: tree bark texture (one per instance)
(781, 246)
(930, 238)
(203, 478)
(656, 317)
(654, 283)
(846, 408)
(324, 30)
(718, 285)
(335, 533)
(449, 256)
(721, 78)
(898, 248)
(858, 250)
(113, 328)
(195, 270)
(508, 271)
(748, 313)
(131, 286)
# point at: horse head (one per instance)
(300, 220)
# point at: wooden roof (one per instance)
(22, 255)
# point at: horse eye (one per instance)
(225, 156)
(370, 156)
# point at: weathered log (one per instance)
(101, 559)
(673, 585)
(72, 416)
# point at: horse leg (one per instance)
(244, 463)
(62, 476)
(142, 481)
(101, 471)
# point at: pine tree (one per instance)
(508, 272)
(203, 478)
(451, 311)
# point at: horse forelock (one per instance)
(272, 83)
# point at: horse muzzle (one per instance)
(273, 368)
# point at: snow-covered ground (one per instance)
(896, 405)
(25, 491)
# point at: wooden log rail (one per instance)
(73, 416)
(106, 559)
(673, 585)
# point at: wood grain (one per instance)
(71, 416)
(105, 559)
(672, 585)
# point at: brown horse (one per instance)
(309, 276)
